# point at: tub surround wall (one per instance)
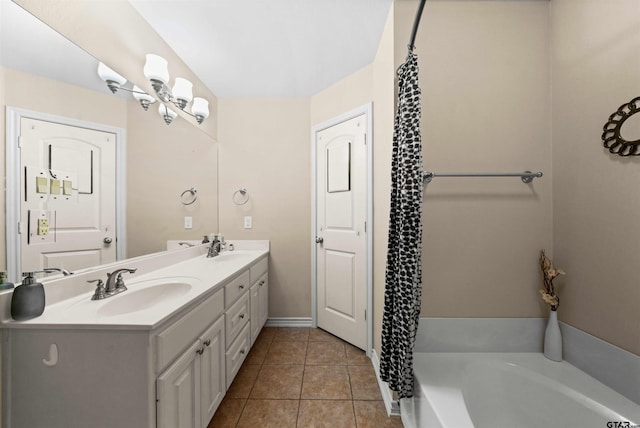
(611, 365)
(485, 80)
(595, 65)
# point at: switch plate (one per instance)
(188, 222)
(248, 222)
(43, 227)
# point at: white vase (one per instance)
(553, 338)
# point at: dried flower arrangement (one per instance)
(549, 273)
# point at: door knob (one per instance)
(319, 239)
(107, 240)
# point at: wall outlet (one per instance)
(188, 222)
(248, 222)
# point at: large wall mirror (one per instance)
(43, 73)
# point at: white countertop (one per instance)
(187, 283)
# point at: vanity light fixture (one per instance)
(156, 69)
(167, 114)
(115, 81)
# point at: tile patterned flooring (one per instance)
(303, 377)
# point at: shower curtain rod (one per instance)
(526, 177)
(416, 24)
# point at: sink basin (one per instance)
(138, 300)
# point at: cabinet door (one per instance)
(212, 383)
(263, 299)
(178, 389)
(254, 293)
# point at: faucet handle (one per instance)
(120, 284)
(99, 293)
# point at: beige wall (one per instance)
(162, 162)
(265, 148)
(484, 75)
(596, 65)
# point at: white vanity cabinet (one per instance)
(259, 305)
(190, 390)
(172, 373)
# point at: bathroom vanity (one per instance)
(161, 354)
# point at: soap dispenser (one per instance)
(28, 298)
(4, 284)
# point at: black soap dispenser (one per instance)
(28, 298)
(4, 284)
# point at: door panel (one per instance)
(341, 215)
(68, 204)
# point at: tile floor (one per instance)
(303, 377)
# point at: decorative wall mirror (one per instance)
(616, 138)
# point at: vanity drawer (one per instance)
(236, 288)
(237, 353)
(173, 340)
(258, 269)
(236, 317)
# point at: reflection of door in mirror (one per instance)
(67, 209)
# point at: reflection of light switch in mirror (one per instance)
(56, 189)
(43, 226)
(66, 187)
(42, 185)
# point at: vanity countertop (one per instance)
(176, 287)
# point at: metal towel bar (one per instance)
(526, 176)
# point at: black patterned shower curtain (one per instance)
(403, 280)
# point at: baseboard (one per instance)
(393, 407)
(288, 322)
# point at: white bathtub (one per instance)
(509, 390)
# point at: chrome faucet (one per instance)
(115, 283)
(217, 243)
(62, 271)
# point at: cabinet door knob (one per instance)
(207, 342)
(242, 351)
(261, 283)
(200, 351)
(241, 316)
(241, 287)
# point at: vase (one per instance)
(553, 338)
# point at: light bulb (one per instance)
(156, 68)
(167, 114)
(144, 98)
(200, 109)
(113, 79)
(182, 92)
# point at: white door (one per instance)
(213, 384)
(341, 257)
(68, 196)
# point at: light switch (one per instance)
(188, 222)
(56, 189)
(43, 227)
(66, 187)
(42, 185)
(248, 222)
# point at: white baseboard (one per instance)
(393, 407)
(288, 322)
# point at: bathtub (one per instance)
(508, 390)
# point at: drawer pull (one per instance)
(241, 287)
(261, 283)
(241, 316)
(207, 342)
(242, 351)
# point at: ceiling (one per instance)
(238, 48)
(269, 48)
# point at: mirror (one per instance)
(43, 72)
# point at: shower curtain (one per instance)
(403, 280)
